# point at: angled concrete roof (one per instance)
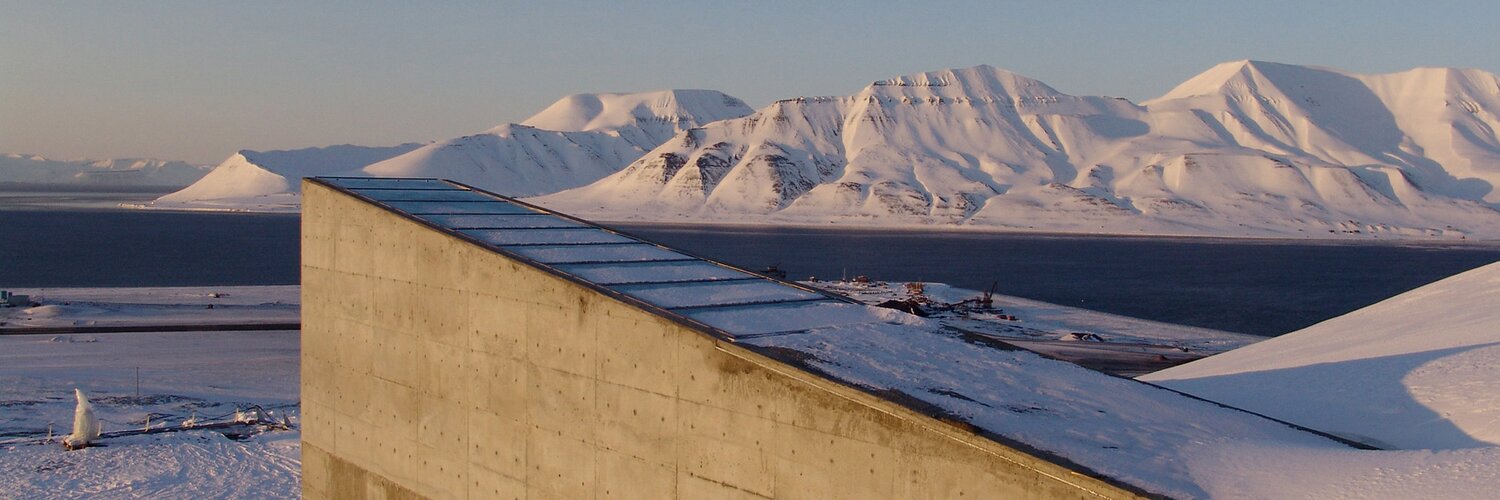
(725, 301)
(1139, 437)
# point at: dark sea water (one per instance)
(47, 248)
(1259, 287)
(1263, 288)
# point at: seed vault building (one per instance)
(460, 344)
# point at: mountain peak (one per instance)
(1215, 79)
(1255, 148)
(605, 111)
(975, 81)
(1247, 74)
(1259, 77)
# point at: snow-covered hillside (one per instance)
(1246, 149)
(1417, 371)
(268, 180)
(33, 169)
(573, 142)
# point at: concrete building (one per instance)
(437, 364)
(458, 344)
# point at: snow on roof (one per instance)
(1138, 434)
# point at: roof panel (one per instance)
(458, 207)
(612, 253)
(565, 236)
(387, 183)
(733, 301)
(678, 295)
(422, 195)
(610, 275)
(499, 221)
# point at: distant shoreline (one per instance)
(46, 190)
(835, 227)
(203, 327)
(39, 187)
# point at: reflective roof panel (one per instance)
(423, 195)
(729, 300)
(655, 272)
(678, 295)
(565, 236)
(597, 253)
(388, 183)
(458, 207)
(514, 221)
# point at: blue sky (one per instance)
(198, 80)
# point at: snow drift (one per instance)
(1420, 370)
(1247, 149)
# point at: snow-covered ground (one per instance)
(1107, 342)
(1148, 437)
(155, 306)
(1433, 344)
(181, 375)
(1417, 371)
(1169, 444)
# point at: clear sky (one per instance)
(198, 80)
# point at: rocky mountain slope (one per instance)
(1245, 149)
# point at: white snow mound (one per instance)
(1417, 371)
(269, 180)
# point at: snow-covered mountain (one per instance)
(1247, 149)
(33, 169)
(573, 142)
(269, 180)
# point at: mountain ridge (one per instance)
(577, 140)
(513, 158)
(1248, 148)
(113, 172)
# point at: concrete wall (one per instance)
(432, 367)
